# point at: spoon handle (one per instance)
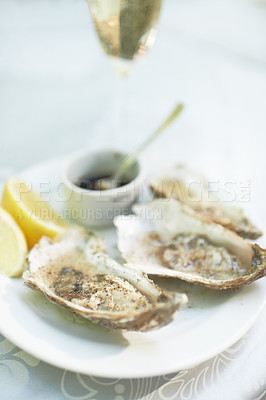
(130, 160)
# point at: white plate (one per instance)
(212, 321)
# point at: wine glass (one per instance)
(126, 30)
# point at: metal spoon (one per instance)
(128, 161)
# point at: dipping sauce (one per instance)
(98, 182)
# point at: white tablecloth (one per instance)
(56, 88)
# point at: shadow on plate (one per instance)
(67, 322)
(199, 297)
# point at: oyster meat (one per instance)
(75, 271)
(167, 238)
(192, 189)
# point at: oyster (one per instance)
(192, 189)
(76, 272)
(167, 238)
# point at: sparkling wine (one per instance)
(126, 28)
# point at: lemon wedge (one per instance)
(13, 246)
(32, 213)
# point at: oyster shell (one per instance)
(76, 272)
(167, 238)
(192, 189)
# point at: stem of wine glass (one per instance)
(121, 126)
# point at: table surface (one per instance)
(58, 94)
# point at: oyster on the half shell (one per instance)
(76, 272)
(166, 238)
(192, 189)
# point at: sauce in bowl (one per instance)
(90, 182)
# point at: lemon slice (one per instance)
(13, 245)
(33, 214)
